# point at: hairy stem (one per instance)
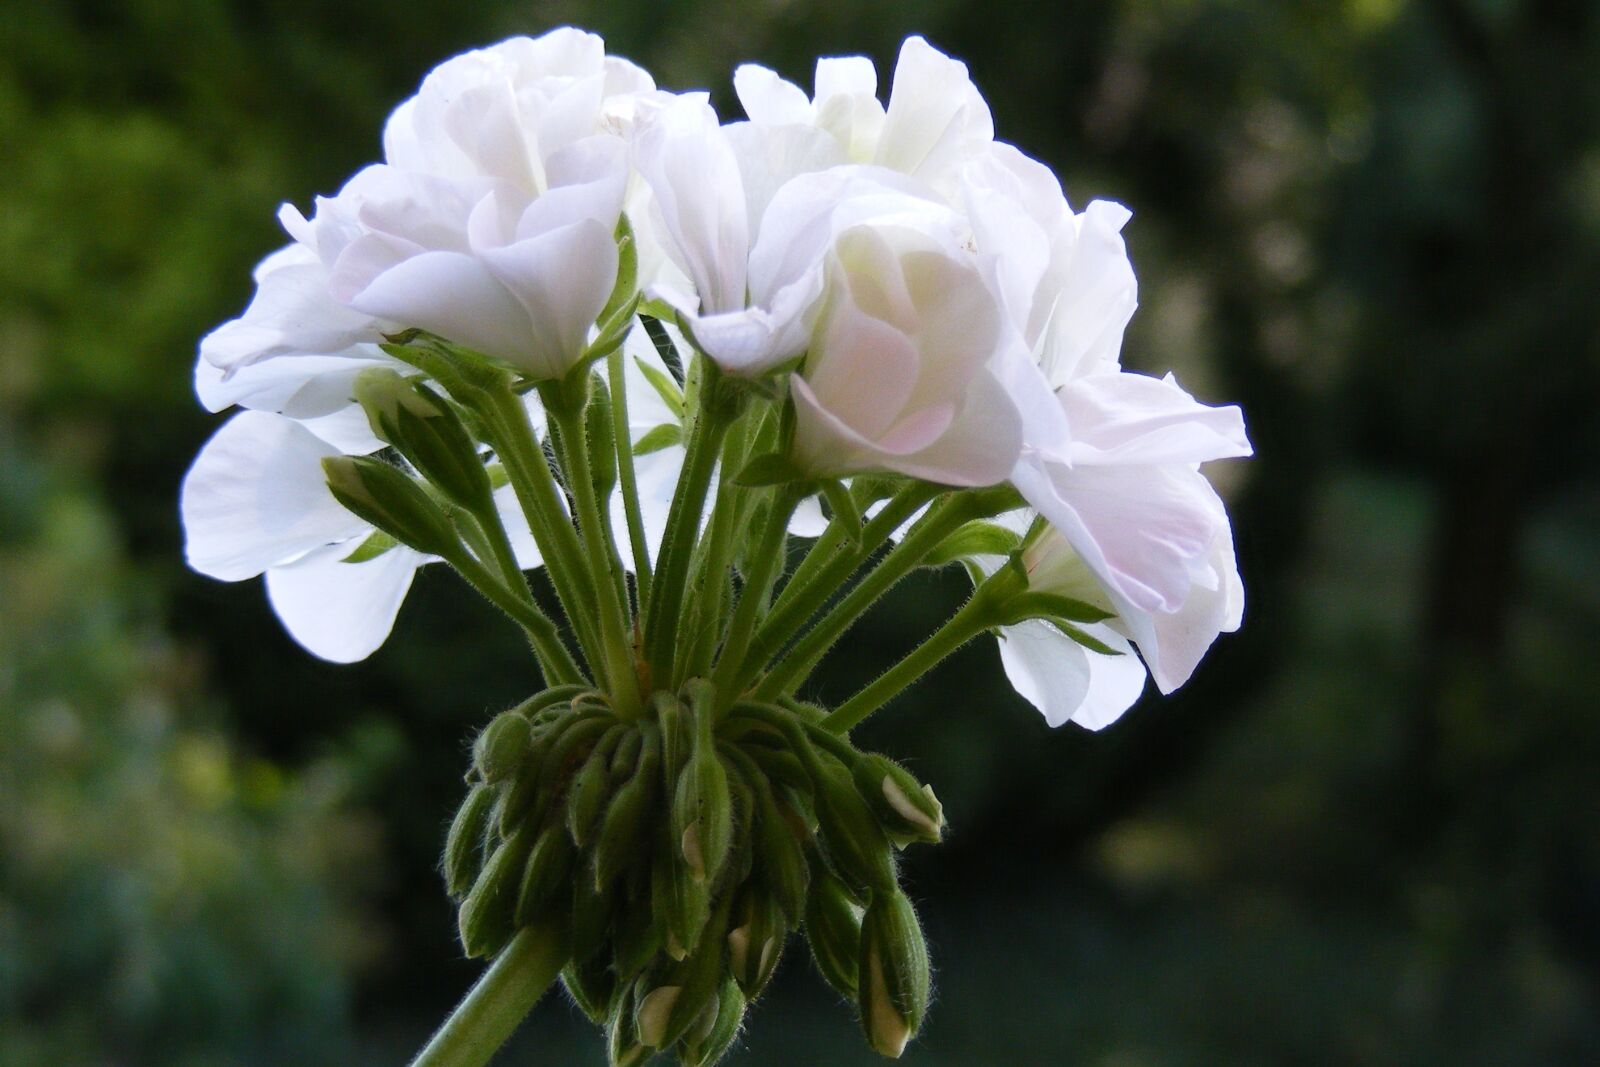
(497, 1002)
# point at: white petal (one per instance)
(1066, 681)
(339, 611)
(455, 295)
(562, 280)
(1124, 418)
(768, 99)
(935, 115)
(256, 497)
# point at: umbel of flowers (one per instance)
(575, 322)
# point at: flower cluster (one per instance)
(577, 322)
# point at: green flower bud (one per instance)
(905, 806)
(895, 982)
(563, 758)
(463, 854)
(621, 838)
(833, 930)
(781, 765)
(392, 501)
(591, 787)
(426, 430)
(591, 985)
(702, 815)
(636, 940)
(545, 875)
(626, 756)
(487, 916)
(498, 750)
(549, 698)
(681, 903)
(855, 841)
(666, 1012)
(756, 942)
(714, 1032)
(780, 856)
(623, 1047)
(591, 910)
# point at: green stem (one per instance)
(497, 1002)
(712, 568)
(535, 486)
(628, 480)
(683, 521)
(829, 563)
(976, 616)
(904, 558)
(733, 670)
(559, 666)
(604, 564)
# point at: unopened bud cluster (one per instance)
(677, 851)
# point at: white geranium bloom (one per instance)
(898, 376)
(491, 222)
(256, 502)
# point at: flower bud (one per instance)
(905, 806)
(894, 978)
(833, 930)
(591, 985)
(545, 875)
(619, 842)
(781, 857)
(592, 911)
(702, 815)
(426, 430)
(500, 746)
(855, 841)
(463, 856)
(680, 902)
(392, 501)
(756, 943)
(709, 1039)
(560, 761)
(626, 756)
(635, 938)
(623, 1047)
(486, 917)
(666, 1012)
(591, 787)
(549, 698)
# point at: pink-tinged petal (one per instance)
(1067, 682)
(339, 611)
(454, 295)
(1126, 418)
(255, 497)
(1098, 295)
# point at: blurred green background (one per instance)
(1368, 832)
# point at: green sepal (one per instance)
(1093, 644)
(974, 539)
(627, 284)
(667, 389)
(852, 836)
(375, 545)
(623, 1047)
(622, 830)
(904, 806)
(1038, 605)
(845, 512)
(706, 1044)
(756, 937)
(680, 904)
(591, 985)
(500, 747)
(591, 786)
(545, 876)
(657, 438)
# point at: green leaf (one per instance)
(376, 544)
(1037, 605)
(627, 285)
(664, 436)
(769, 468)
(653, 313)
(974, 539)
(665, 387)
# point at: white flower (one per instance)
(898, 376)
(255, 502)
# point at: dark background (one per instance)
(1368, 831)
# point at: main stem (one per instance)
(627, 479)
(498, 1001)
